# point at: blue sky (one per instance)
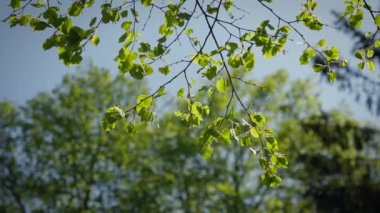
(27, 69)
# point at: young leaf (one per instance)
(331, 77)
(180, 93)
(307, 55)
(143, 101)
(377, 44)
(258, 119)
(92, 22)
(377, 20)
(271, 180)
(161, 92)
(164, 70)
(248, 61)
(112, 115)
(221, 85)
(318, 67)
(15, 4)
(211, 72)
(371, 65)
(254, 132)
(95, 40)
(322, 43)
(361, 65)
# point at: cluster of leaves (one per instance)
(365, 46)
(246, 135)
(213, 57)
(354, 11)
(308, 18)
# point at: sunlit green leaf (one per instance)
(112, 115)
(95, 40)
(322, 43)
(221, 85)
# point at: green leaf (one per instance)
(377, 44)
(143, 101)
(263, 163)
(332, 54)
(66, 25)
(271, 180)
(359, 54)
(322, 43)
(248, 36)
(235, 61)
(180, 93)
(356, 19)
(112, 115)
(189, 31)
(228, 4)
(211, 9)
(377, 20)
(248, 60)
(211, 72)
(344, 63)
(272, 143)
(92, 22)
(309, 20)
(258, 119)
(284, 29)
(124, 14)
(202, 60)
(37, 5)
(370, 53)
(225, 136)
(69, 56)
(161, 92)
(38, 25)
(89, 3)
(331, 76)
(24, 20)
(137, 71)
(361, 65)
(282, 161)
(207, 149)
(126, 25)
(145, 114)
(164, 70)
(158, 50)
(231, 47)
(147, 3)
(95, 40)
(371, 65)
(75, 9)
(75, 36)
(15, 4)
(307, 55)
(254, 132)
(221, 85)
(318, 67)
(144, 47)
(165, 30)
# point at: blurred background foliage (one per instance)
(54, 157)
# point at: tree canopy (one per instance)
(223, 51)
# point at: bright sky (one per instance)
(27, 69)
